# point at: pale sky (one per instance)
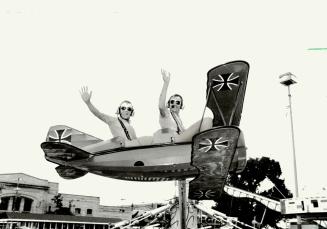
(49, 49)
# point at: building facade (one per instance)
(23, 193)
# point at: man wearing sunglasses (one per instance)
(169, 119)
(120, 127)
(172, 128)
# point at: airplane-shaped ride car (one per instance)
(208, 158)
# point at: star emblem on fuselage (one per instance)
(225, 82)
(209, 144)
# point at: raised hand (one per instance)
(85, 94)
(165, 75)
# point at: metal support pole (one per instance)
(293, 143)
(182, 198)
(298, 218)
(263, 216)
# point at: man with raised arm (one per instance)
(169, 119)
(169, 112)
(172, 128)
(120, 126)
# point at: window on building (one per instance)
(4, 203)
(77, 211)
(16, 203)
(27, 205)
(89, 226)
(47, 225)
(78, 226)
(314, 203)
(89, 211)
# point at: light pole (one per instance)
(288, 79)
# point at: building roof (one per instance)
(56, 218)
(25, 180)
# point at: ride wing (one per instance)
(226, 86)
(212, 154)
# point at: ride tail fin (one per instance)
(63, 146)
(68, 135)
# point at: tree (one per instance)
(60, 210)
(57, 199)
(246, 209)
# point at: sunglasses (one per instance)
(128, 108)
(175, 102)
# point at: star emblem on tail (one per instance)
(61, 135)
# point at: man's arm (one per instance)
(163, 94)
(86, 96)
